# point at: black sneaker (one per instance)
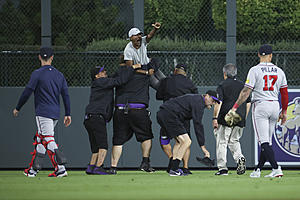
(186, 171)
(89, 170)
(223, 172)
(112, 171)
(99, 171)
(241, 166)
(145, 166)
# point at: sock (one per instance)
(146, 159)
(170, 164)
(262, 159)
(113, 167)
(270, 155)
(175, 164)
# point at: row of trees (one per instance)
(76, 23)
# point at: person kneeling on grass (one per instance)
(171, 117)
(99, 111)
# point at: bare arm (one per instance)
(244, 94)
(129, 63)
(248, 106)
(217, 108)
(156, 26)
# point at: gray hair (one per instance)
(230, 70)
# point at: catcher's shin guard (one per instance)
(34, 153)
(60, 157)
(38, 160)
(57, 158)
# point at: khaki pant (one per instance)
(228, 137)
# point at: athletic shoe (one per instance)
(186, 171)
(222, 172)
(30, 173)
(99, 171)
(58, 174)
(112, 171)
(255, 173)
(89, 170)
(145, 166)
(275, 173)
(241, 167)
(178, 172)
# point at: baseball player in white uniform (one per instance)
(266, 80)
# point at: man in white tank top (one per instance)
(265, 81)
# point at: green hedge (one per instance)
(158, 44)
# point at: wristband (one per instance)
(147, 72)
(235, 106)
(214, 118)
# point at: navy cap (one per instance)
(214, 95)
(181, 66)
(265, 50)
(46, 52)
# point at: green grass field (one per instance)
(133, 185)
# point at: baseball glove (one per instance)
(232, 118)
(206, 161)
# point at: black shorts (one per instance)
(186, 124)
(96, 128)
(136, 121)
(170, 124)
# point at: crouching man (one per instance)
(171, 118)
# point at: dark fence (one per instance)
(204, 68)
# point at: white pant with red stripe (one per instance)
(46, 128)
(264, 117)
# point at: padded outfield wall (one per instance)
(17, 133)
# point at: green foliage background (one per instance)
(79, 25)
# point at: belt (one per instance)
(123, 108)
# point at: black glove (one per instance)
(206, 161)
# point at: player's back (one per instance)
(265, 79)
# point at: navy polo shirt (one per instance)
(48, 84)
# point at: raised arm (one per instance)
(156, 26)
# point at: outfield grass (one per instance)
(133, 185)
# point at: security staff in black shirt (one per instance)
(171, 117)
(131, 116)
(226, 136)
(99, 111)
(175, 85)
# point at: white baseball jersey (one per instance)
(265, 79)
(138, 56)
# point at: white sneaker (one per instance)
(275, 173)
(255, 173)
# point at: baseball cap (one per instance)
(96, 70)
(134, 31)
(46, 52)
(181, 66)
(214, 95)
(265, 50)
